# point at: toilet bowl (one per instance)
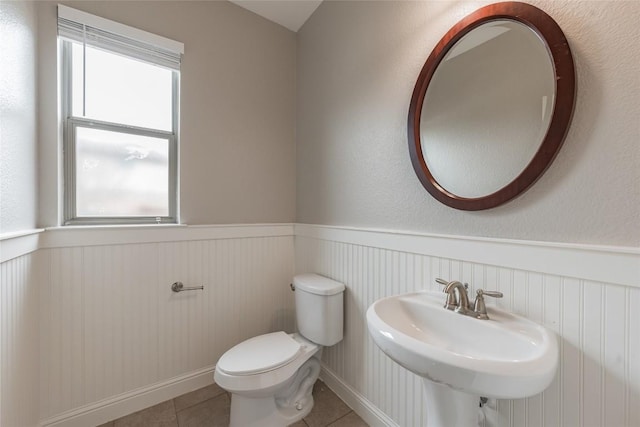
(271, 376)
(274, 389)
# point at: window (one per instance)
(120, 109)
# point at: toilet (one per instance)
(270, 377)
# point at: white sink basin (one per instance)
(506, 357)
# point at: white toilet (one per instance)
(270, 377)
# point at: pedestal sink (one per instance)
(460, 357)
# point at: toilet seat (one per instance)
(264, 382)
(259, 354)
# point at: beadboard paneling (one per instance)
(598, 381)
(112, 334)
(112, 325)
(19, 352)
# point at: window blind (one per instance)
(102, 33)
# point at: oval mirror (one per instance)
(491, 106)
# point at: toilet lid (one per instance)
(259, 354)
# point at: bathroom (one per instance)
(293, 159)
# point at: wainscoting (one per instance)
(19, 340)
(113, 337)
(90, 330)
(598, 323)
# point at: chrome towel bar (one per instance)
(179, 287)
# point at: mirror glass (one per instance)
(487, 108)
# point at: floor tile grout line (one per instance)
(197, 403)
(338, 419)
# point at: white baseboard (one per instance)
(360, 405)
(116, 407)
(127, 403)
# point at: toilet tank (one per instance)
(319, 308)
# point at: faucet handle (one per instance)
(494, 294)
(479, 307)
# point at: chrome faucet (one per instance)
(452, 300)
(460, 304)
(463, 297)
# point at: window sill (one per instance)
(113, 226)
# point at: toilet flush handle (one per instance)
(292, 286)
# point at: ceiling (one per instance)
(290, 14)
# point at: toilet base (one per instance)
(264, 412)
(287, 406)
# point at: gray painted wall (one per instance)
(237, 143)
(357, 65)
(18, 138)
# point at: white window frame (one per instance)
(71, 123)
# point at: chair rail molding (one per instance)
(16, 244)
(608, 264)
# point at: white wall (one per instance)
(71, 316)
(112, 325)
(18, 139)
(357, 66)
(91, 331)
(19, 297)
(19, 341)
(598, 326)
(237, 119)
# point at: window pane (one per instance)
(119, 174)
(121, 90)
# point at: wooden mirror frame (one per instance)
(558, 48)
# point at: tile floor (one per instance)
(209, 406)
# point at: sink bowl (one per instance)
(505, 357)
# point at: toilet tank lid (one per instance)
(317, 284)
